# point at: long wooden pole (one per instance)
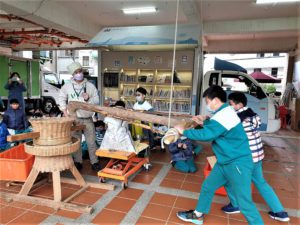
(128, 114)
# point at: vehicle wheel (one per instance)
(102, 180)
(147, 167)
(48, 105)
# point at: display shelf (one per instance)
(158, 85)
(174, 99)
(174, 85)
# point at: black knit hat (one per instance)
(14, 101)
(141, 90)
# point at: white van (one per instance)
(258, 100)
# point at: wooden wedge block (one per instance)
(23, 136)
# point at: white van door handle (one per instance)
(46, 91)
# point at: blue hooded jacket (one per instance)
(15, 119)
(181, 154)
(15, 90)
(3, 134)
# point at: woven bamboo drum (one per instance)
(53, 131)
(55, 150)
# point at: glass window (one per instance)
(69, 53)
(257, 70)
(243, 84)
(213, 80)
(274, 72)
(260, 55)
(51, 78)
(85, 60)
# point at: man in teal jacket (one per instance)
(234, 161)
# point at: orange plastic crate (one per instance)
(15, 164)
(221, 190)
(206, 171)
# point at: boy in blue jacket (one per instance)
(251, 122)
(15, 118)
(234, 161)
(3, 135)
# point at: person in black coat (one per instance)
(16, 87)
(15, 118)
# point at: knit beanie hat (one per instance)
(73, 67)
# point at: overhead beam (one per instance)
(51, 14)
(257, 25)
(252, 45)
(17, 25)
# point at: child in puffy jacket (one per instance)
(3, 135)
(15, 118)
(183, 152)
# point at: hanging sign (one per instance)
(146, 35)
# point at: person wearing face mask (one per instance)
(80, 89)
(234, 164)
(16, 87)
(251, 122)
(143, 105)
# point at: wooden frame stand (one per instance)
(55, 165)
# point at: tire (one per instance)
(48, 105)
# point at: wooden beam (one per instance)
(46, 202)
(109, 187)
(23, 136)
(76, 193)
(127, 114)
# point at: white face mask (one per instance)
(78, 76)
(15, 78)
(209, 109)
(139, 98)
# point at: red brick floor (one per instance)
(281, 170)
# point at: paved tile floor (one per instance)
(155, 196)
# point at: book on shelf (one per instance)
(176, 106)
(128, 91)
(149, 91)
(164, 93)
(127, 78)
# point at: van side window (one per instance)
(243, 84)
(50, 78)
(213, 79)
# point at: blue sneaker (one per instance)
(190, 216)
(230, 209)
(280, 216)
